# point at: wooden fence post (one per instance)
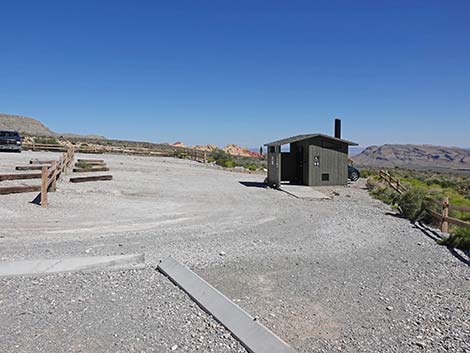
(44, 177)
(54, 176)
(445, 213)
(205, 157)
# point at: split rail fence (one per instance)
(442, 216)
(180, 152)
(50, 172)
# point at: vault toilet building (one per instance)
(313, 159)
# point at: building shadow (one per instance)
(254, 184)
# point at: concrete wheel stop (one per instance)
(72, 264)
(252, 335)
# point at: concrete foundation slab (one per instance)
(303, 192)
(255, 337)
(89, 263)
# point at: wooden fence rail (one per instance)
(393, 182)
(49, 175)
(180, 152)
(44, 147)
(443, 216)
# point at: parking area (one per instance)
(326, 275)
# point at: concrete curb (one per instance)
(72, 264)
(252, 335)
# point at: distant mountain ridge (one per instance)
(33, 127)
(414, 156)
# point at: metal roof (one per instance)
(306, 137)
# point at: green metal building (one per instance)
(313, 159)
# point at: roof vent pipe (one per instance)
(338, 128)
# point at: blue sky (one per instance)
(244, 72)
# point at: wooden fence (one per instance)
(444, 215)
(393, 182)
(444, 204)
(180, 152)
(54, 147)
(50, 173)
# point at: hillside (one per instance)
(414, 156)
(24, 125)
(33, 127)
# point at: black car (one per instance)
(10, 141)
(353, 173)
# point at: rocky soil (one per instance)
(339, 275)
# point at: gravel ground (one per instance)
(127, 311)
(340, 275)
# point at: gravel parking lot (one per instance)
(339, 275)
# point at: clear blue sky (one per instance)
(244, 72)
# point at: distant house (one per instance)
(313, 159)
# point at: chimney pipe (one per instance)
(338, 128)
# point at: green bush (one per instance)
(229, 164)
(219, 154)
(181, 154)
(412, 204)
(252, 167)
(385, 194)
(365, 173)
(221, 162)
(460, 239)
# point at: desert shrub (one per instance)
(46, 140)
(252, 167)
(372, 183)
(221, 162)
(229, 164)
(384, 194)
(219, 154)
(366, 173)
(181, 154)
(83, 165)
(442, 182)
(417, 177)
(412, 204)
(460, 239)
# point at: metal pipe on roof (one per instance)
(337, 128)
